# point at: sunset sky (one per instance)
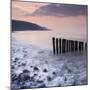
(64, 20)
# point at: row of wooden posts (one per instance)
(64, 45)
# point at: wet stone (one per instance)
(49, 78)
(14, 61)
(12, 67)
(65, 79)
(26, 77)
(31, 66)
(32, 79)
(54, 73)
(26, 71)
(25, 55)
(19, 65)
(45, 70)
(35, 74)
(69, 70)
(25, 51)
(16, 58)
(36, 69)
(14, 77)
(39, 81)
(23, 77)
(23, 64)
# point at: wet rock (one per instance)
(35, 74)
(14, 61)
(26, 71)
(19, 65)
(49, 78)
(69, 70)
(25, 55)
(31, 66)
(23, 77)
(65, 79)
(12, 67)
(14, 77)
(23, 64)
(39, 81)
(54, 73)
(24, 51)
(16, 58)
(32, 79)
(45, 70)
(36, 69)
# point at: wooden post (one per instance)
(67, 46)
(76, 45)
(53, 42)
(86, 46)
(72, 45)
(80, 46)
(60, 47)
(63, 45)
(57, 45)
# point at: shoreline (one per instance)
(42, 69)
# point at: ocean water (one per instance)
(44, 38)
(36, 67)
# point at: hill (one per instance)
(18, 25)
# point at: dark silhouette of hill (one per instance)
(18, 25)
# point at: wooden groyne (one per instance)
(67, 46)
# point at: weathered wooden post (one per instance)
(63, 45)
(86, 46)
(67, 46)
(72, 45)
(80, 46)
(53, 42)
(60, 47)
(57, 45)
(76, 45)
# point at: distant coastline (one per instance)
(18, 25)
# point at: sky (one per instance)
(48, 9)
(64, 20)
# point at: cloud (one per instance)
(61, 10)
